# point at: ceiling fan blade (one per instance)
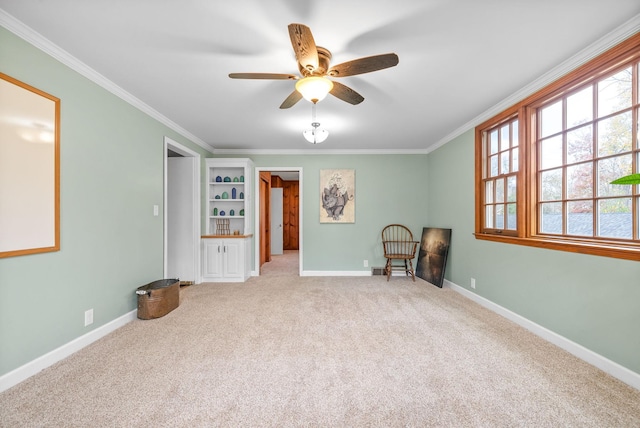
(345, 93)
(271, 76)
(293, 98)
(364, 65)
(304, 46)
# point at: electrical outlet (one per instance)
(473, 283)
(366, 263)
(88, 317)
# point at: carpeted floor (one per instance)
(287, 351)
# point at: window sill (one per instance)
(604, 249)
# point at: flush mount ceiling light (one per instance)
(315, 135)
(314, 88)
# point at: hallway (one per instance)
(286, 264)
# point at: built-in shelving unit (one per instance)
(226, 246)
(229, 196)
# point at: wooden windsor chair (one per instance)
(399, 247)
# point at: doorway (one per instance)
(282, 177)
(181, 213)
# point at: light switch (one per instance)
(155, 211)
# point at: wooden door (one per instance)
(290, 215)
(265, 218)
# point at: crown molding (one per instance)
(39, 41)
(282, 152)
(620, 34)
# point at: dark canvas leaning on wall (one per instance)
(432, 255)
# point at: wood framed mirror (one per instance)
(29, 169)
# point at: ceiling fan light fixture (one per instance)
(316, 135)
(314, 88)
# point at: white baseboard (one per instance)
(336, 273)
(24, 372)
(627, 376)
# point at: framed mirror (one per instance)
(29, 169)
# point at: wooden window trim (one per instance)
(628, 50)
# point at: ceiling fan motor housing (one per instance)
(324, 59)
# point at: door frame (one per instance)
(256, 229)
(196, 167)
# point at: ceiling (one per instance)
(458, 60)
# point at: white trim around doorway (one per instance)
(195, 156)
(256, 229)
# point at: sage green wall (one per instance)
(112, 158)
(389, 189)
(593, 301)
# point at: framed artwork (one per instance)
(432, 255)
(337, 196)
(29, 169)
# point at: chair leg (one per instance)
(413, 275)
(387, 269)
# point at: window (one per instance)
(544, 167)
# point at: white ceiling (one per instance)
(459, 59)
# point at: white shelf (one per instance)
(232, 168)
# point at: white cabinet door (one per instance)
(224, 260)
(233, 258)
(212, 252)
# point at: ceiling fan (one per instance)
(314, 65)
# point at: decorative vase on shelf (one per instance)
(235, 179)
(232, 212)
(222, 213)
(242, 179)
(233, 193)
(225, 195)
(227, 180)
(218, 179)
(241, 195)
(215, 211)
(241, 212)
(217, 197)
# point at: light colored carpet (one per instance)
(284, 351)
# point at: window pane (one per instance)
(580, 181)
(504, 162)
(504, 137)
(580, 107)
(493, 141)
(614, 135)
(511, 216)
(488, 192)
(551, 185)
(580, 144)
(638, 124)
(500, 216)
(610, 169)
(551, 119)
(614, 93)
(500, 190)
(488, 216)
(551, 152)
(514, 133)
(614, 218)
(493, 166)
(551, 217)
(580, 218)
(511, 188)
(514, 160)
